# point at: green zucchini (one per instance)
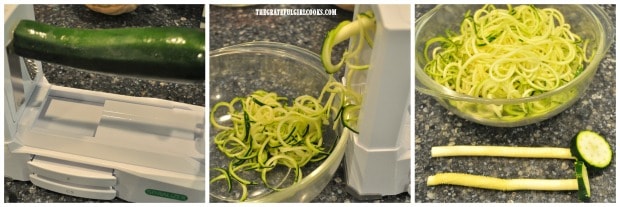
(591, 148)
(583, 184)
(155, 52)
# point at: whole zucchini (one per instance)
(156, 52)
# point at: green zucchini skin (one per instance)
(583, 182)
(156, 52)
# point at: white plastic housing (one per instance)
(99, 145)
(378, 159)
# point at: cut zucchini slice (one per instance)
(591, 148)
(582, 181)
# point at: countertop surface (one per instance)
(435, 126)
(234, 25)
(81, 17)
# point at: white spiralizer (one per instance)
(378, 159)
(98, 145)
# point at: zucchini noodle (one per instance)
(508, 53)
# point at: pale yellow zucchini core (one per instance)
(502, 151)
(493, 183)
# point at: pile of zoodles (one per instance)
(508, 53)
(269, 130)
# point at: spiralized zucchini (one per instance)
(268, 130)
(508, 53)
(360, 30)
(361, 33)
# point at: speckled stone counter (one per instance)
(233, 25)
(435, 126)
(79, 16)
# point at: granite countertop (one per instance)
(81, 17)
(233, 25)
(435, 126)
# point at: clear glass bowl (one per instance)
(289, 71)
(588, 21)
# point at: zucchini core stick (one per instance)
(580, 183)
(493, 183)
(502, 151)
(588, 146)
